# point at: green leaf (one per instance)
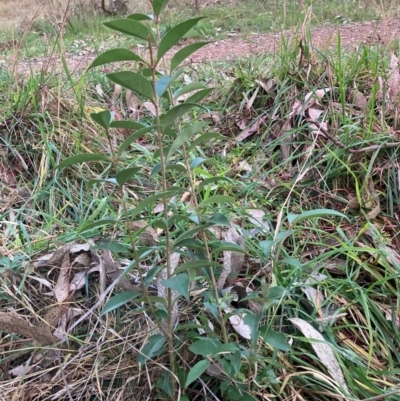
(103, 118)
(184, 136)
(137, 83)
(247, 397)
(169, 166)
(179, 283)
(276, 292)
(189, 233)
(176, 112)
(151, 199)
(83, 158)
(199, 160)
(219, 219)
(204, 138)
(312, 214)
(113, 246)
(277, 340)
(293, 262)
(140, 17)
(132, 138)
(192, 33)
(189, 88)
(158, 6)
(211, 180)
(196, 371)
(125, 175)
(253, 321)
(118, 300)
(154, 347)
(93, 181)
(196, 264)
(204, 346)
(128, 124)
(228, 246)
(266, 246)
(96, 224)
(130, 27)
(182, 54)
(115, 55)
(154, 299)
(218, 199)
(190, 243)
(199, 96)
(164, 82)
(151, 274)
(174, 35)
(228, 347)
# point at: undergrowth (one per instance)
(165, 240)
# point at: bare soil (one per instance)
(235, 47)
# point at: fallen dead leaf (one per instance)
(322, 349)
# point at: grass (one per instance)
(340, 275)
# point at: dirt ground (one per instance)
(234, 47)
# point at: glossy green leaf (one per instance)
(266, 246)
(125, 175)
(119, 300)
(151, 274)
(277, 340)
(219, 219)
(169, 166)
(293, 262)
(199, 160)
(253, 321)
(130, 27)
(184, 53)
(135, 82)
(93, 181)
(96, 224)
(176, 112)
(83, 158)
(196, 371)
(174, 35)
(247, 397)
(190, 233)
(199, 96)
(113, 246)
(195, 264)
(154, 347)
(191, 243)
(212, 180)
(179, 283)
(140, 17)
(184, 136)
(276, 292)
(114, 56)
(204, 346)
(127, 124)
(218, 199)
(158, 6)
(225, 246)
(189, 88)
(135, 136)
(150, 200)
(312, 214)
(228, 347)
(164, 82)
(103, 118)
(207, 137)
(154, 299)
